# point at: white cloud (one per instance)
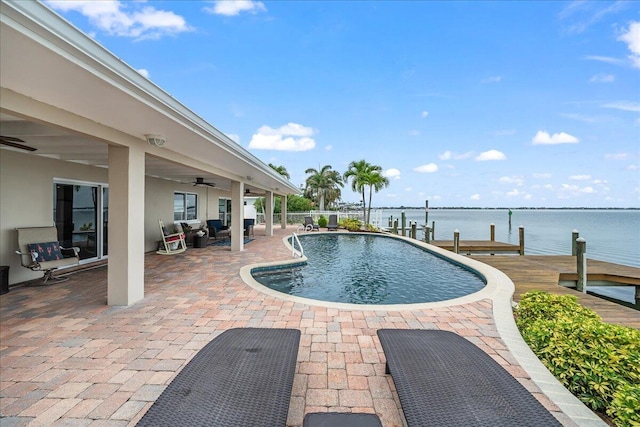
(632, 38)
(129, 19)
(548, 187)
(580, 177)
(143, 72)
(392, 173)
(449, 155)
(517, 180)
(545, 175)
(602, 78)
(623, 105)
(234, 137)
(492, 79)
(607, 59)
(428, 168)
(514, 193)
(235, 7)
(490, 155)
(475, 197)
(408, 189)
(424, 114)
(544, 138)
(414, 132)
(290, 137)
(616, 156)
(328, 147)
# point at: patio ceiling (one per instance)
(64, 145)
(48, 66)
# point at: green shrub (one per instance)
(322, 221)
(350, 224)
(598, 362)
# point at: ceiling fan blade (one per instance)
(10, 141)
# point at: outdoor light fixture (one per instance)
(155, 140)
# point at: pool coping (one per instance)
(499, 289)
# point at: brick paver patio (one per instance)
(67, 358)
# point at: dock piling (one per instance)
(427, 237)
(456, 241)
(433, 230)
(574, 244)
(413, 229)
(395, 226)
(492, 232)
(404, 224)
(521, 239)
(581, 259)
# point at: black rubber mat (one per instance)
(243, 378)
(442, 379)
(338, 419)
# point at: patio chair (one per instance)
(243, 377)
(248, 227)
(333, 222)
(217, 231)
(40, 250)
(443, 379)
(309, 225)
(172, 243)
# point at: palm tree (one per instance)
(376, 182)
(323, 185)
(281, 170)
(363, 174)
(357, 171)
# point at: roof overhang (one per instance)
(49, 69)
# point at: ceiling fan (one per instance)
(10, 141)
(199, 182)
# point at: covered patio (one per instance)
(74, 115)
(69, 359)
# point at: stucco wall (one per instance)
(26, 199)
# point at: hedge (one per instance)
(598, 362)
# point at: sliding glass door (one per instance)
(80, 212)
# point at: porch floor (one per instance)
(67, 358)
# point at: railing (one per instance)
(294, 239)
(298, 217)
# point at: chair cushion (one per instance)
(49, 251)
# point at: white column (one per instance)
(283, 211)
(268, 213)
(237, 216)
(125, 275)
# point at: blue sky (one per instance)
(478, 104)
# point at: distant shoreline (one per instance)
(505, 208)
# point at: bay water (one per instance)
(612, 235)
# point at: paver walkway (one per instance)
(67, 358)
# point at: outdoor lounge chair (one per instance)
(309, 225)
(244, 377)
(442, 379)
(217, 231)
(172, 243)
(39, 250)
(333, 222)
(248, 227)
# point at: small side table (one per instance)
(200, 242)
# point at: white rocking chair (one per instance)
(171, 243)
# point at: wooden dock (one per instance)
(545, 272)
(478, 246)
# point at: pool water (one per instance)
(370, 269)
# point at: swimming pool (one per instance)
(369, 269)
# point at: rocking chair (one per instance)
(171, 243)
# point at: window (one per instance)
(185, 206)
